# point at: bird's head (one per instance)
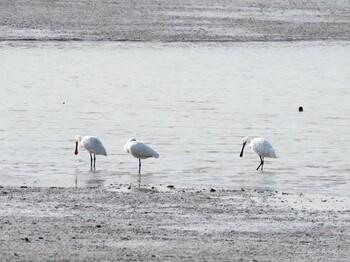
(78, 138)
(246, 140)
(77, 142)
(126, 146)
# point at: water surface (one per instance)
(193, 103)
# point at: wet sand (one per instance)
(191, 224)
(197, 20)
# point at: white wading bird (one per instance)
(260, 146)
(92, 144)
(140, 151)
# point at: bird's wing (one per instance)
(141, 150)
(94, 145)
(268, 149)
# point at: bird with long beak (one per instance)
(260, 146)
(93, 145)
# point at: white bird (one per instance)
(260, 146)
(92, 144)
(140, 151)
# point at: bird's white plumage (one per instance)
(93, 145)
(260, 146)
(139, 150)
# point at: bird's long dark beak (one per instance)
(76, 148)
(241, 154)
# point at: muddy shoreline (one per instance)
(187, 224)
(175, 21)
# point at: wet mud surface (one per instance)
(172, 21)
(190, 224)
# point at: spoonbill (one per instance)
(139, 150)
(92, 144)
(260, 146)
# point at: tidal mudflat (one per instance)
(120, 223)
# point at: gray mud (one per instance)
(182, 20)
(117, 223)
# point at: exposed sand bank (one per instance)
(197, 20)
(117, 223)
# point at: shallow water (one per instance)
(193, 103)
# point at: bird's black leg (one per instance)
(139, 172)
(258, 166)
(94, 161)
(91, 161)
(262, 166)
(261, 163)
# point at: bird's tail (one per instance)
(155, 155)
(104, 152)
